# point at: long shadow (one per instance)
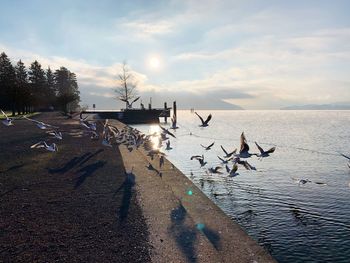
(80, 160)
(184, 236)
(213, 237)
(127, 187)
(88, 171)
(90, 156)
(14, 167)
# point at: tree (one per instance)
(37, 85)
(23, 95)
(8, 91)
(126, 90)
(50, 87)
(67, 89)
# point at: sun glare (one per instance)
(154, 63)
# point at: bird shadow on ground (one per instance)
(80, 160)
(127, 187)
(88, 171)
(14, 167)
(185, 236)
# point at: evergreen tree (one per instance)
(23, 98)
(37, 84)
(50, 87)
(8, 91)
(67, 89)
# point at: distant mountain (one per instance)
(332, 106)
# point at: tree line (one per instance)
(25, 90)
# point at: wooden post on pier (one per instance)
(174, 110)
(165, 109)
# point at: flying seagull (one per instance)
(56, 134)
(200, 158)
(227, 154)
(166, 131)
(41, 125)
(208, 147)
(173, 122)
(264, 153)
(215, 170)
(224, 160)
(244, 150)
(204, 123)
(43, 144)
(232, 172)
(7, 121)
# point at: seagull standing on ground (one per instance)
(8, 121)
(204, 123)
(173, 122)
(168, 147)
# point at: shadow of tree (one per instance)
(185, 236)
(88, 171)
(127, 187)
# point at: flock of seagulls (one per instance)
(133, 139)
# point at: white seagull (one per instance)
(56, 134)
(40, 124)
(204, 123)
(43, 144)
(8, 121)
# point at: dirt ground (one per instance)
(74, 205)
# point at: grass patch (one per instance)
(9, 113)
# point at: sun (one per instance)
(154, 63)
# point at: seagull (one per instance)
(224, 160)
(232, 172)
(128, 104)
(215, 170)
(43, 144)
(246, 165)
(200, 158)
(166, 131)
(56, 134)
(228, 155)
(161, 161)
(244, 150)
(173, 122)
(40, 124)
(87, 125)
(207, 147)
(304, 181)
(8, 121)
(347, 157)
(204, 123)
(264, 153)
(168, 148)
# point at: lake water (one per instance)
(296, 223)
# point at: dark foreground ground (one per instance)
(74, 205)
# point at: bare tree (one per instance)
(126, 90)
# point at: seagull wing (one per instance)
(40, 144)
(347, 157)
(271, 150)
(208, 119)
(221, 159)
(227, 168)
(203, 146)
(224, 150)
(211, 145)
(260, 149)
(234, 168)
(3, 113)
(170, 133)
(200, 117)
(196, 157)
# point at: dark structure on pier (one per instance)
(135, 116)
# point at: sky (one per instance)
(203, 53)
